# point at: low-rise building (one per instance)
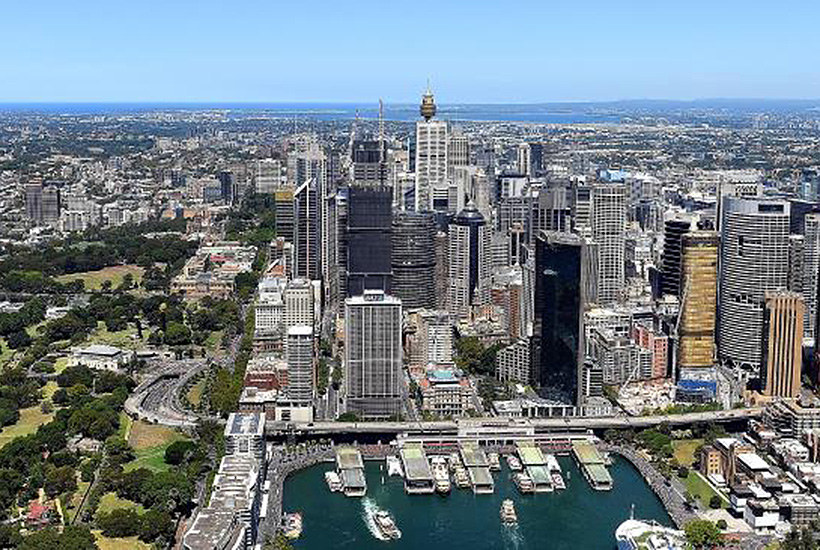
(762, 515)
(100, 356)
(445, 393)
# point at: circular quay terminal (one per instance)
(370, 275)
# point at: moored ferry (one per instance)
(334, 482)
(508, 515)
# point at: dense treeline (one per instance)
(28, 270)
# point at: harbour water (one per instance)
(577, 518)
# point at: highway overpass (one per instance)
(538, 424)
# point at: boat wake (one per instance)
(512, 537)
(369, 510)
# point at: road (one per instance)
(539, 424)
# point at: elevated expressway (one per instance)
(563, 424)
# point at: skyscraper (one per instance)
(414, 259)
(301, 373)
(524, 159)
(306, 227)
(811, 266)
(469, 261)
(369, 162)
(373, 354)
(783, 345)
(369, 242)
(558, 334)
(673, 231)
(698, 311)
(608, 228)
(432, 191)
(754, 258)
(34, 202)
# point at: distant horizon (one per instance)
(375, 102)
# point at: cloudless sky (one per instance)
(351, 51)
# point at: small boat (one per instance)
(508, 515)
(523, 483)
(558, 481)
(394, 466)
(495, 464)
(334, 481)
(462, 478)
(455, 461)
(292, 525)
(514, 464)
(441, 476)
(386, 525)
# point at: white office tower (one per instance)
(811, 265)
(458, 151)
(436, 337)
(267, 175)
(245, 435)
(432, 188)
(301, 372)
(373, 354)
(470, 261)
(524, 160)
(754, 260)
(608, 232)
(298, 298)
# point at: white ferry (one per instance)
(558, 481)
(523, 482)
(441, 476)
(514, 464)
(334, 482)
(495, 463)
(508, 515)
(394, 466)
(455, 461)
(292, 525)
(462, 478)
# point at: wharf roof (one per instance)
(348, 458)
(415, 463)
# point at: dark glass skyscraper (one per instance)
(558, 336)
(414, 259)
(369, 217)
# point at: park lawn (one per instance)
(125, 339)
(94, 279)
(30, 419)
(60, 364)
(70, 510)
(128, 543)
(125, 426)
(110, 501)
(149, 442)
(50, 389)
(6, 353)
(701, 490)
(214, 340)
(194, 394)
(684, 451)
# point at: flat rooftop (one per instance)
(245, 424)
(599, 474)
(473, 455)
(530, 454)
(587, 453)
(415, 463)
(348, 458)
(480, 476)
(539, 475)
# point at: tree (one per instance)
(722, 525)
(60, 480)
(177, 452)
(715, 502)
(18, 340)
(156, 524)
(701, 533)
(177, 334)
(120, 522)
(683, 472)
(72, 538)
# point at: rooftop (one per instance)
(245, 424)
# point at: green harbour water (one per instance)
(577, 518)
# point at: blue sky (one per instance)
(349, 51)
